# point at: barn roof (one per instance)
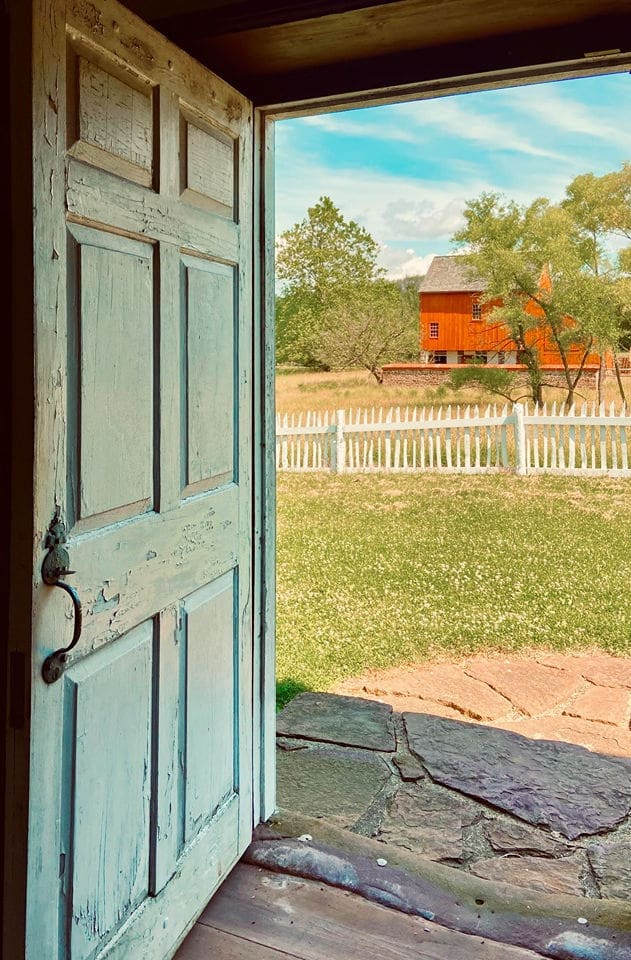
(451, 274)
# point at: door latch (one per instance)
(55, 567)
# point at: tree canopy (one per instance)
(554, 270)
(335, 308)
(320, 262)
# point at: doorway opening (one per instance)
(453, 497)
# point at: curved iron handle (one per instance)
(55, 567)
(54, 665)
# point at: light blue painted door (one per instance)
(141, 766)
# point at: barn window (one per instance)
(476, 311)
(433, 331)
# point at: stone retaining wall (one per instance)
(436, 375)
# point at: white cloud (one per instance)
(555, 109)
(377, 200)
(461, 120)
(424, 219)
(403, 263)
(347, 125)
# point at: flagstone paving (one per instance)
(577, 698)
(529, 785)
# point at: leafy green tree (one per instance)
(378, 326)
(320, 262)
(554, 257)
(503, 383)
(601, 210)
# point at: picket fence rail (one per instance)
(524, 439)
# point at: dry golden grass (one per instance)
(299, 391)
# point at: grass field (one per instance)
(381, 570)
(301, 390)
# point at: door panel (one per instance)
(142, 751)
(211, 312)
(211, 704)
(113, 280)
(109, 841)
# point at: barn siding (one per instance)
(457, 331)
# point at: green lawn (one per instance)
(381, 570)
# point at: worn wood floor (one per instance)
(258, 915)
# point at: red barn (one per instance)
(454, 323)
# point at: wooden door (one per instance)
(141, 762)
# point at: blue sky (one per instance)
(405, 171)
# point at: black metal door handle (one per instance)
(54, 567)
(54, 665)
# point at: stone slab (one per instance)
(410, 770)
(599, 668)
(609, 671)
(536, 873)
(338, 784)
(349, 721)
(512, 837)
(559, 785)
(611, 863)
(402, 704)
(445, 684)
(602, 704)
(428, 821)
(598, 737)
(531, 687)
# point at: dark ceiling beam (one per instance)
(252, 14)
(514, 52)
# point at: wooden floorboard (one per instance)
(207, 943)
(259, 915)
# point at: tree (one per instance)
(549, 275)
(379, 326)
(601, 209)
(322, 261)
(503, 383)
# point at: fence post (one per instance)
(521, 465)
(339, 445)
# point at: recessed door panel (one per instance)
(110, 116)
(113, 383)
(211, 368)
(108, 750)
(211, 633)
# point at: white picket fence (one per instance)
(585, 441)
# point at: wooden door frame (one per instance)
(16, 389)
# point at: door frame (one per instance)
(18, 426)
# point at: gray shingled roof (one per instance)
(450, 274)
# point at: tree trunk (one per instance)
(616, 367)
(600, 377)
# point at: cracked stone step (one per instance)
(537, 873)
(510, 837)
(445, 684)
(543, 782)
(612, 868)
(428, 821)
(602, 704)
(348, 721)
(597, 737)
(532, 687)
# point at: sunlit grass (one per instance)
(299, 390)
(380, 570)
